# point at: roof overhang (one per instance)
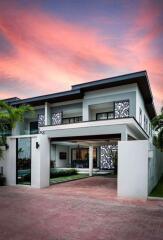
(78, 91)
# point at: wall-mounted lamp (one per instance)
(6, 146)
(37, 145)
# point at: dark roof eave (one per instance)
(141, 78)
(56, 97)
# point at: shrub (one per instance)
(63, 173)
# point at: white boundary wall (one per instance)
(155, 167)
(140, 166)
(133, 169)
(40, 161)
(3, 161)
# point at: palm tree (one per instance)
(9, 116)
(157, 123)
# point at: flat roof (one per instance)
(77, 91)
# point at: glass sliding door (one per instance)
(23, 161)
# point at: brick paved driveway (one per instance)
(86, 209)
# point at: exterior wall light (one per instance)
(37, 145)
(6, 146)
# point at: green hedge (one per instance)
(63, 173)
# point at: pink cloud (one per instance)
(51, 51)
(50, 54)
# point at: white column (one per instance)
(40, 167)
(11, 162)
(86, 116)
(90, 160)
(47, 114)
(124, 135)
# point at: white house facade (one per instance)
(83, 128)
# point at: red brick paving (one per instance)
(86, 209)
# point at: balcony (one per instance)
(114, 126)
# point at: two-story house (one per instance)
(89, 119)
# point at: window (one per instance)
(72, 120)
(149, 129)
(145, 123)
(80, 157)
(104, 116)
(140, 116)
(23, 161)
(34, 127)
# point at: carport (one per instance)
(85, 153)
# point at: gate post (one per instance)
(40, 168)
(133, 169)
(90, 160)
(11, 162)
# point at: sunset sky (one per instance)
(48, 45)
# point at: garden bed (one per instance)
(67, 178)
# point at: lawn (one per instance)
(158, 190)
(67, 178)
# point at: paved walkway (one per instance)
(85, 209)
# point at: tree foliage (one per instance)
(157, 123)
(9, 116)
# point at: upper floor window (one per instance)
(104, 115)
(121, 109)
(34, 127)
(145, 123)
(72, 120)
(140, 116)
(149, 129)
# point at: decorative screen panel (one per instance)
(108, 157)
(121, 109)
(41, 120)
(57, 118)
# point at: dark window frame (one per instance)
(97, 114)
(74, 119)
(145, 123)
(33, 122)
(140, 116)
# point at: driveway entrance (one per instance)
(85, 209)
(102, 187)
